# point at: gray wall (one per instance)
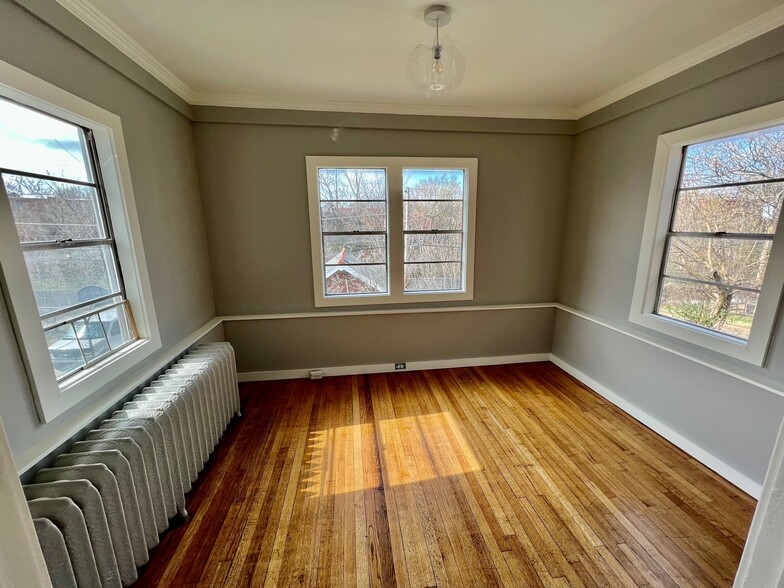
(611, 176)
(256, 205)
(378, 339)
(252, 173)
(159, 141)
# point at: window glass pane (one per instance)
(429, 216)
(447, 247)
(35, 142)
(351, 249)
(81, 311)
(356, 279)
(343, 216)
(117, 326)
(736, 209)
(67, 276)
(46, 210)
(64, 350)
(431, 277)
(742, 158)
(89, 332)
(716, 308)
(352, 184)
(433, 184)
(740, 262)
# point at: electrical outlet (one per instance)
(316, 374)
(400, 366)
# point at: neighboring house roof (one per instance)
(337, 266)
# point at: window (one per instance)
(59, 207)
(391, 229)
(711, 271)
(73, 267)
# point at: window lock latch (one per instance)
(64, 242)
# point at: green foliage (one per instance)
(699, 313)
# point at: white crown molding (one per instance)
(102, 25)
(432, 109)
(105, 27)
(732, 38)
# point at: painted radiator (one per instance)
(103, 505)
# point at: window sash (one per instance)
(396, 235)
(69, 243)
(354, 233)
(671, 232)
(664, 190)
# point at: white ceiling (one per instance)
(525, 58)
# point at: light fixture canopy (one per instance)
(436, 67)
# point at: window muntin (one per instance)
(414, 244)
(727, 206)
(353, 208)
(715, 172)
(433, 229)
(58, 203)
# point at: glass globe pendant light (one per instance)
(436, 67)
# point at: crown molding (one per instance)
(96, 20)
(732, 38)
(432, 109)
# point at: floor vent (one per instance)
(103, 505)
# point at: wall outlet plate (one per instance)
(400, 366)
(316, 374)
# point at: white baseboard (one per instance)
(725, 471)
(379, 368)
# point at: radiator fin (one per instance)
(116, 489)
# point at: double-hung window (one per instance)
(73, 268)
(58, 202)
(711, 265)
(391, 229)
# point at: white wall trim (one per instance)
(380, 368)
(746, 32)
(105, 27)
(709, 460)
(339, 313)
(707, 364)
(269, 102)
(762, 562)
(32, 455)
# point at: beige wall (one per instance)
(256, 206)
(163, 169)
(735, 422)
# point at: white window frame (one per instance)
(661, 201)
(51, 398)
(394, 167)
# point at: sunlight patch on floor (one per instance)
(412, 449)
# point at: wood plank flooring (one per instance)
(510, 475)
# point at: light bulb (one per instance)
(437, 67)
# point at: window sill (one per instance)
(80, 386)
(407, 298)
(717, 342)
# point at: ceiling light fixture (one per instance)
(436, 67)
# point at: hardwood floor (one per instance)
(511, 475)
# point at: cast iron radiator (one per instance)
(103, 505)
